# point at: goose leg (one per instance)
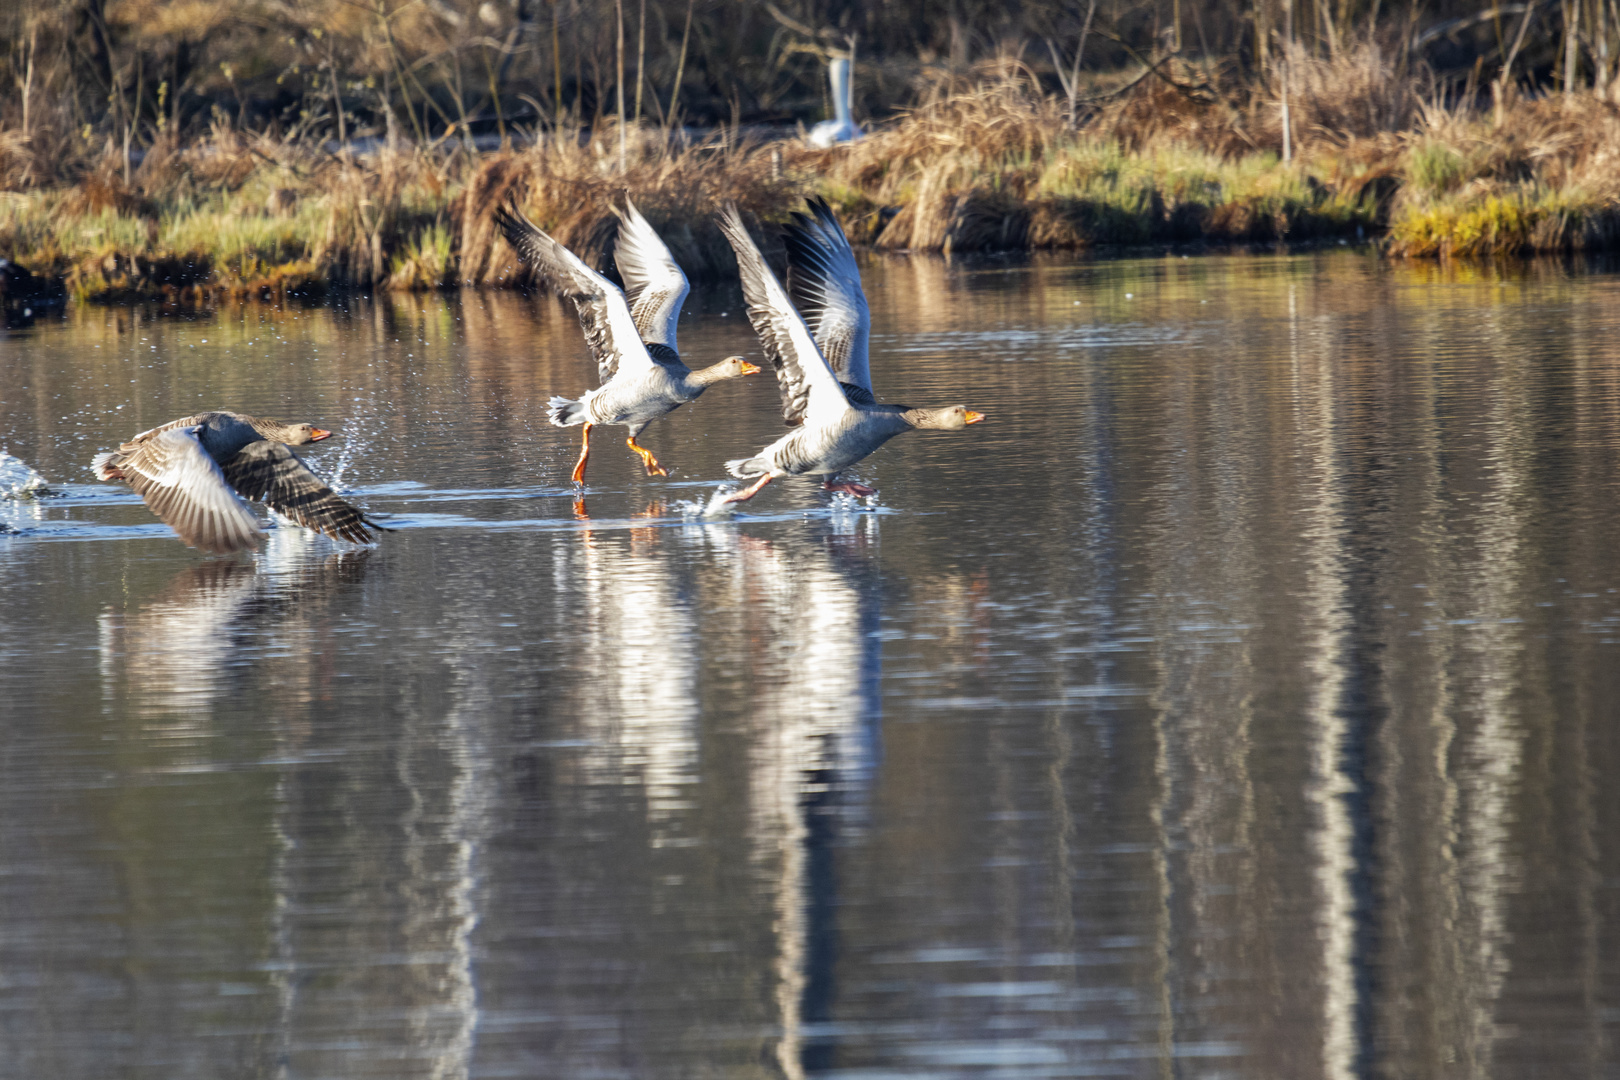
(860, 491)
(584, 456)
(749, 492)
(647, 459)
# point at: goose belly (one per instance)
(825, 452)
(636, 403)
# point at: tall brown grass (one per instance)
(1545, 178)
(568, 187)
(988, 161)
(996, 164)
(250, 214)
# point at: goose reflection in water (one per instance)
(638, 653)
(812, 611)
(804, 609)
(174, 654)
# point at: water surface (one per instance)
(1236, 701)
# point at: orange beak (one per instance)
(750, 369)
(973, 417)
(317, 435)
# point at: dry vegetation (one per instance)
(990, 166)
(245, 179)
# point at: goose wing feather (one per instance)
(188, 491)
(610, 330)
(654, 284)
(825, 283)
(188, 421)
(269, 472)
(810, 390)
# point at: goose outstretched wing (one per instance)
(825, 283)
(653, 282)
(185, 488)
(270, 473)
(810, 390)
(610, 331)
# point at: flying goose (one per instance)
(194, 474)
(631, 333)
(823, 372)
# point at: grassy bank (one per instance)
(990, 165)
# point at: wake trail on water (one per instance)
(716, 507)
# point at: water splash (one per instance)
(18, 481)
(713, 507)
(842, 503)
(356, 441)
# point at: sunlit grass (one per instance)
(427, 261)
(233, 239)
(996, 167)
(1517, 221)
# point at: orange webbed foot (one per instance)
(647, 458)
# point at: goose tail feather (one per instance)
(744, 467)
(565, 412)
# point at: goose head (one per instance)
(735, 367)
(732, 367)
(950, 418)
(295, 434)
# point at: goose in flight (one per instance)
(631, 333)
(820, 357)
(194, 473)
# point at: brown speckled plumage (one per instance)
(194, 473)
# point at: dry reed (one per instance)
(986, 163)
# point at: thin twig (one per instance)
(680, 67)
(1153, 69)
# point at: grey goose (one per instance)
(820, 357)
(194, 473)
(631, 333)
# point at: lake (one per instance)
(1234, 702)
